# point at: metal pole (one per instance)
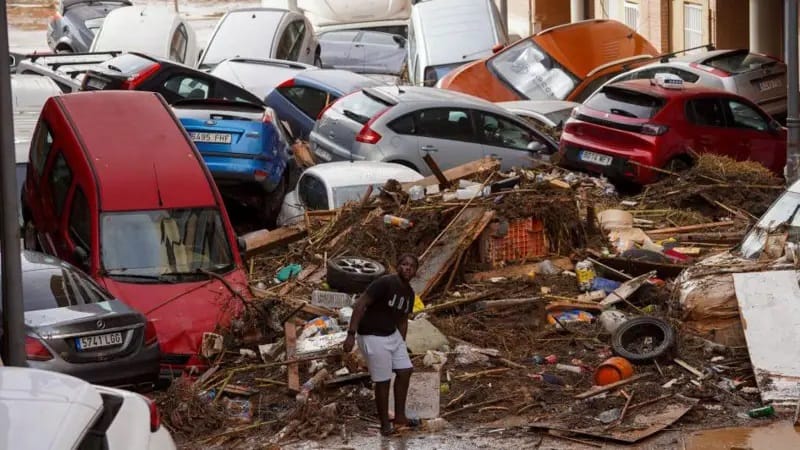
(792, 170)
(504, 13)
(13, 350)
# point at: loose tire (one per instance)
(353, 274)
(634, 333)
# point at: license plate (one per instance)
(773, 83)
(596, 158)
(96, 83)
(98, 340)
(212, 138)
(322, 154)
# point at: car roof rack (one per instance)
(665, 57)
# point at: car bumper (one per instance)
(230, 171)
(140, 369)
(624, 166)
(326, 150)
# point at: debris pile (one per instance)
(543, 298)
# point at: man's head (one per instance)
(407, 266)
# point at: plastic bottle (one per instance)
(416, 193)
(764, 411)
(585, 273)
(400, 222)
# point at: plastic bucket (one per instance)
(612, 370)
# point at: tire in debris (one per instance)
(643, 339)
(352, 274)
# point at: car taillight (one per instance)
(652, 129)
(155, 417)
(286, 84)
(35, 350)
(260, 175)
(367, 135)
(135, 80)
(150, 336)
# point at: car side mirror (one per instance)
(497, 48)
(81, 257)
(241, 243)
(774, 126)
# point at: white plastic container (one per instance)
(612, 319)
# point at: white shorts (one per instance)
(384, 354)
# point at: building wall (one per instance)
(549, 13)
(652, 20)
(730, 24)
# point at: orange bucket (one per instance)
(612, 370)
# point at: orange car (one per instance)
(567, 62)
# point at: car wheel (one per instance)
(317, 59)
(351, 274)
(64, 49)
(643, 339)
(677, 165)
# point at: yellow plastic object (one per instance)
(418, 305)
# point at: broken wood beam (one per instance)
(444, 183)
(460, 302)
(293, 377)
(261, 241)
(698, 227)
(301, 305)
(610, 387)
(458, 173)
(504, 303)
(478, 405)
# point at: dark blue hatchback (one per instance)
(243, 146)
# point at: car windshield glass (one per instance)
(344, 194)
(128, 64)
(359, 107)
(739, 62)
(243, 34)
(782, 217)
(435, 73)
(163, 242)
(532, 72)
(58, 287)
(623, 102)
(560, 116)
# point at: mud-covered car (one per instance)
(706, 291)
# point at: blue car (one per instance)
(245, 149)
(300, 100)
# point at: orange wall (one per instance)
(549, 13)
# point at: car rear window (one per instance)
(58, 288)
(359, 107)
(245, 34)
(623, 102)
(128, 64)
(735, 63)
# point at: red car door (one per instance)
(755, 137)
(38, 191)
(708, 132)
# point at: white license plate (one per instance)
(95, 83)
(212, 138)
(322, 154)
(596, 158)
(99, 340)
(773, 83)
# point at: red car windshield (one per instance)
(155, 244)
(624, 102)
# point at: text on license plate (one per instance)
(98, 340)
(596, 158)
(213, 138)
(772, 83)
(323, 154)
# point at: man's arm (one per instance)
(358, 313)
(402, 326)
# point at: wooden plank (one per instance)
(293, 303)
(261, 241)
(436, 262)
(610, 387)
(444, 183)
(302, 154)
(293, 380)
(699, 227)
(518, 271)
(458, 173)
(769, 304)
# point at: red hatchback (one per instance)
(628, 126)
(116, 187)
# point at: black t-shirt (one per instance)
(392, 299)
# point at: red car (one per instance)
(116, 187)
(630, 125)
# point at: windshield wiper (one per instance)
(194, 273)
(622, 112)
(360, 118)
(153, 278)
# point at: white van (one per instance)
(445, 34)
(156, 31)
(388, 16)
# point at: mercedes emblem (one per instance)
(100, 324)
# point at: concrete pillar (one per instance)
(765, 22)
(577, 11)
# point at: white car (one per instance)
(330, 185)
(388, 16)
(261, 33)
(156, 31)
(51, 411)
(548, 113)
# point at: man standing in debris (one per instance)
(380, 318)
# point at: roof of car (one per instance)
(356, 173)
(688, 89)
(342, 81)
(134, 143)
(539, 106)
(407, 94)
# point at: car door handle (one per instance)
(429, 148)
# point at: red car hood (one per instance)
(182, 312)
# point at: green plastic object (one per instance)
(764, 411)
(288, 272)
